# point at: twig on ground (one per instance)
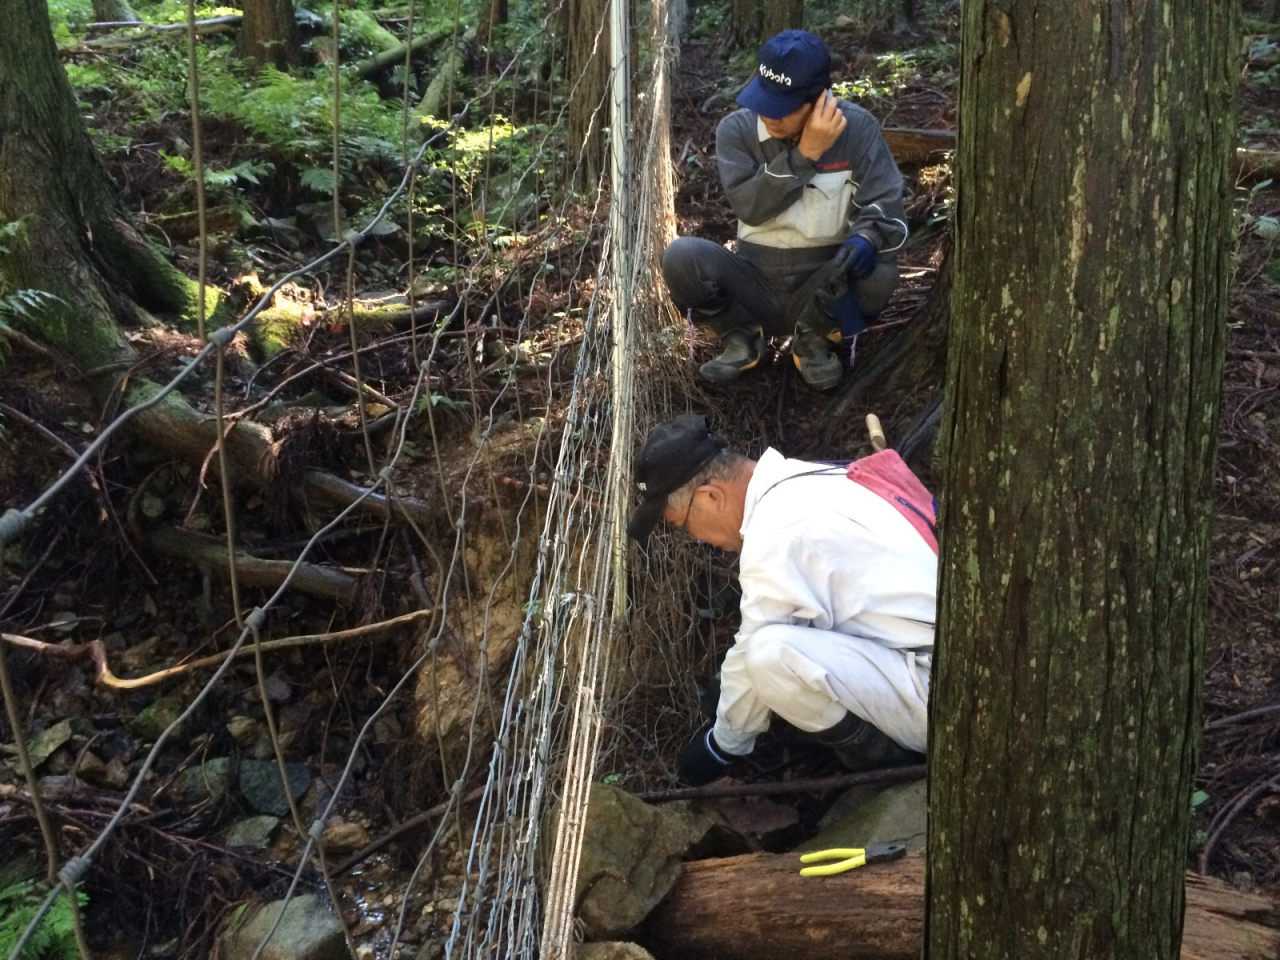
(1229, 813)
(98, 653)
(426, 816)
(1242, 717)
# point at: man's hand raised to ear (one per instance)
(823, 128)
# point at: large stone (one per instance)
(155, 718)
(251, 833)
(611, 950)
(260, 783)
(873, 814)
(631, 854)
(307, 931)
(208, 781)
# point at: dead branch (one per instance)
(251, 571)
(784, 787)
(405, 826)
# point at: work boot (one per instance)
(742, 351)
(818, 366)
(860, 746)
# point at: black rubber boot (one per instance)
(860, 746)
(819, 367)
(742, 351)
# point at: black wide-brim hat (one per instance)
(674, 453)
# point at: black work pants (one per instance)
(766, 288)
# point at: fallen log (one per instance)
(251, 571)
(913, 148)
(877, 913)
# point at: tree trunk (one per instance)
(745, 23)
(586, 32)
(758, 907)
(269, 34)
(77, 240)
(782, 15)
(1093, 246)
(78, 243)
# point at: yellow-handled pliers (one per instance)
(847, 858)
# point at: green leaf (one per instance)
(318, 179)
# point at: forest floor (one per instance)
(84, 574)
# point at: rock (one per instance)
(260, 784)
(43, 744)
(872, 814)
(243, 730)
(209, 781)
(343, 836)
(631, 854)
(611, 950)
(92, 768)
(765, 822)
(307, 931)
(251, 833)
(157, 717)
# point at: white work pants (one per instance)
(810, 677)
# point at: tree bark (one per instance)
(782, 15)
(586, 31)
(758, 907)
(269, 34)
(745, 23)
(77, 240)
(1093, 246)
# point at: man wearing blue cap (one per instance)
(819, 204)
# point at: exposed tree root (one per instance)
(96, 651)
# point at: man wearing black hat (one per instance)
(819, 204)
(838, 598)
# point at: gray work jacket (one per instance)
(784, 199)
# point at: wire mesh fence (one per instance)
(561, 673)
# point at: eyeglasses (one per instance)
(684, 522)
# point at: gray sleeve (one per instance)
(877, 203)
(757, 190)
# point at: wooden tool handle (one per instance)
(878, 441)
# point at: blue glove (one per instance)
(859, 257)
(701, 761)
(846, 312)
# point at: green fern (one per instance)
(53, 939)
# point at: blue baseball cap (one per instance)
(794, 68)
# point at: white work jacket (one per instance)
(821, 551)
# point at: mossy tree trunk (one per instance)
(269, 34)
(77, 240)
(585, 27)
(1093, 248)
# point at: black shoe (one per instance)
(819, 367)
(860, 746)
(742, 351)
